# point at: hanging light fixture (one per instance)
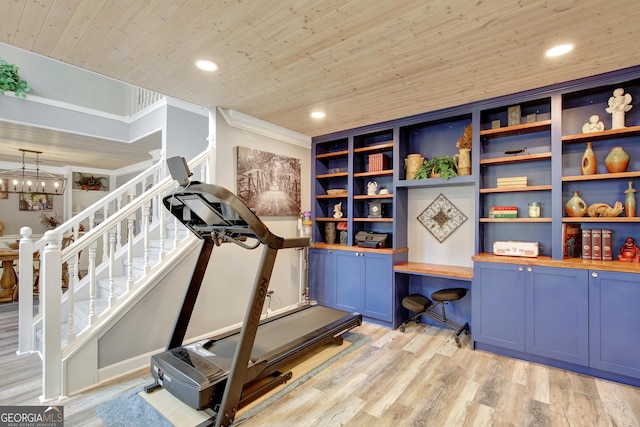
(28, 180)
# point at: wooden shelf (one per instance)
(516, 129)
(385, 172)
(517, 158)
(437, 182)
(540, 219)
(598, 136)
(436, 270)
(377, 196)
(515, 189)
(598, 176)
(332, 175)
(332, 196)
(610, 219)
(385, 146)
(331, 219)
(364, 219)
(333, 154)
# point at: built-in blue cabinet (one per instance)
(554, 315)
(557, 310)
(320, 281)
(614, 316)
(532, 309)
(497, 314)
(354, 280)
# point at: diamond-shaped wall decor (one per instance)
(441, 218)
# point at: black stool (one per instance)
(420, 305)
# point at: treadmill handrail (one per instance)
(257, 226)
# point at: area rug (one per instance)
(135, 409)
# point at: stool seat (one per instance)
(421, 305)
(416, 303)
(450, 294)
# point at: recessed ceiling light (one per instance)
(206, 65)
(560, 49)
(317, 115)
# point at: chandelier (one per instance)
(28, 180)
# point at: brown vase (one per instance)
(617, 160)
(588, 166)
(575, 206)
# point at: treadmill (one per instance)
(223, 373)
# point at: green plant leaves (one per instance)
(11, 81)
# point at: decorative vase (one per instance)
(343, 237)
(575, 206)
(463, 161)
(630, 201)
(617, 160)
(412, 163)
(588, 166)
(330, 233)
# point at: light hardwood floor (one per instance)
(416, 378)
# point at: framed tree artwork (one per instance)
(268, 183)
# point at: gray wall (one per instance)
(67, 83)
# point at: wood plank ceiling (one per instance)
(361, 61)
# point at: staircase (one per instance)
(127, 254)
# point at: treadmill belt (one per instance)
(279, 333)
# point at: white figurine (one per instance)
(594, 125)
(619, 104)
(372, 187)
(337, 210)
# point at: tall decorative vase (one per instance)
(588, 166)
(412, 163)
(463, 161)
(575, 206)
(330, 233)
(617, 160)
(630, 201)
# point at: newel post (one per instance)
(51, 290)
(25, 293)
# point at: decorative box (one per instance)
(512, 248)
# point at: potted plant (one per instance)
(10, 80)
(437, 166)
(90, 182)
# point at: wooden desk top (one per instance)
(438, 270)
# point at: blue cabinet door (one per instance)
(377, 287)
(321, 277)
(557, 313)
(498, 306)
(614, 337)
(348, 274)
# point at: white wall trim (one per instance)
(243, 121)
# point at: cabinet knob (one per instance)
(594, 274)
(529, 269)
(520, 268)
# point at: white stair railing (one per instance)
(109, 258)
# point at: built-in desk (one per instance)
(424, 278)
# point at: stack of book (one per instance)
(596, 244)
(513, 181)
(377, 162)
(503, 212)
